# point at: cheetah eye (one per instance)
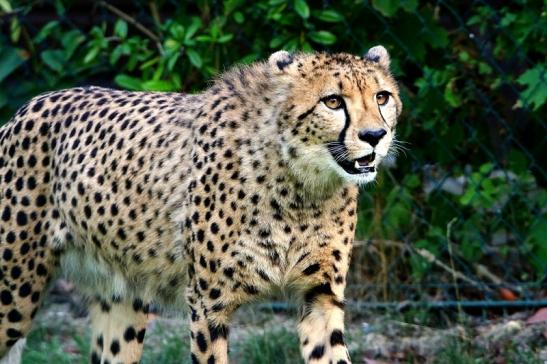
(382, 97)
(333, 102)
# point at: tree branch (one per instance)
(135, 23)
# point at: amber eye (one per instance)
(382, 97)
(333, 102)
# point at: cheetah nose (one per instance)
(372, 136)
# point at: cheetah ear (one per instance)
(378, 54)
(280, 60)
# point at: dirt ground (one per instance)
(373, 337)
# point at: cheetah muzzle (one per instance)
(204, 201)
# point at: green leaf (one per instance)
(248, 58)
(225, 38)
(277, 41)
(194, 57)
(302, 8)
(10, 59)
(5, 6)
(172, 60)
(329, 16)
(46, 31)
(451, 94)
(128, 82)
(120, 28)
(323, 37)
(535, 80)
(158, 85)
(193, 28)
(386, 7)
(177, 30)
(70, 41)
(15, 30)
(54, 59)
(486, 168)
(91, 55)
(239, 17)
(120, 50)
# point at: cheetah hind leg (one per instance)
(118, 329)
(26, 272)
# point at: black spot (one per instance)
(5, 297)
(202, 344)
(317, 352)
(311, 269)
(14, 316)
(41, 200)
(38, 106)
(214, 294)
(41, 270)
(6, 214)
(115, 347)
(130, 334)
(138, 305)
(217, 331)
(211, 359)
(21, 218)
(95, 359)
(15, 272)
(321, 289)
(229, 272)
(140, 336)
(203, 284)
(25, 289)
(10, 237)
(14, 334)
(201, 235)
(7, 255)
(105, 307)
(337, 338)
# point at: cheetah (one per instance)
(202, 202)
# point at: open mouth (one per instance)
(359, 165)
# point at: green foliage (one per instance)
(473, 82)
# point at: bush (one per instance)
(473, 83)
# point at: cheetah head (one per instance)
(339, 119)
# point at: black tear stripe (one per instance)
(342, 135)
(305, 114)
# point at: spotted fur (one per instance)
(211, 199)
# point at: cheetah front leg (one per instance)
(118, 329)
(208, 330)
(321, 327)
(321, 276)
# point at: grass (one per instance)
(277, 346)
(45, 346)
(261, 338)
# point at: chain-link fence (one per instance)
(458, 220)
